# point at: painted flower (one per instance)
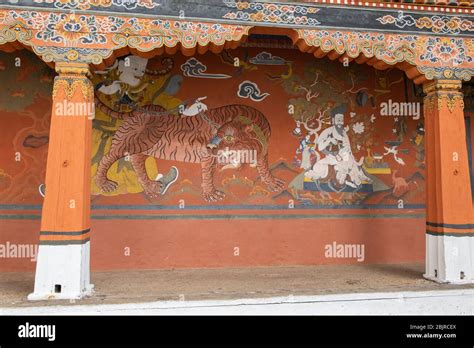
(358, 128)
(67, 28)
(446, 49)
(109, 24)
(72, 26)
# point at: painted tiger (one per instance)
(175, 137)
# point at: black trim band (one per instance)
(456, 226)
(64, 233)
(64, 242)
(450, 234)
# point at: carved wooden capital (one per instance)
(73, 77)
(442, 85)
(441, 93)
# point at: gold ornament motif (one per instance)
(448, 73)
(452, 100)
(442, 86)
(444, 72)
(443, 92)
(440, 102)
(72, 55)
(79, 55)
(71, 85)
(429, 102)
(73, 77)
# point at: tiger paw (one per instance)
(153, 189)
(107, 185)
(213, 196)
(276, 185)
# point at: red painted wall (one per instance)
(252, 225)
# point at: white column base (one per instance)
(62, 272)
(450, 259)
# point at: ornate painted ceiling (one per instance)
(426, 44)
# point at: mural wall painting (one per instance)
(248, 127)
(197, 135)
(24, 123)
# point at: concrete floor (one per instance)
(227, 284)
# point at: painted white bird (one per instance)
(390, 150)
(399, 160)
(394, 151)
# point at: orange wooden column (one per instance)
(449, 211)
(63, 261)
